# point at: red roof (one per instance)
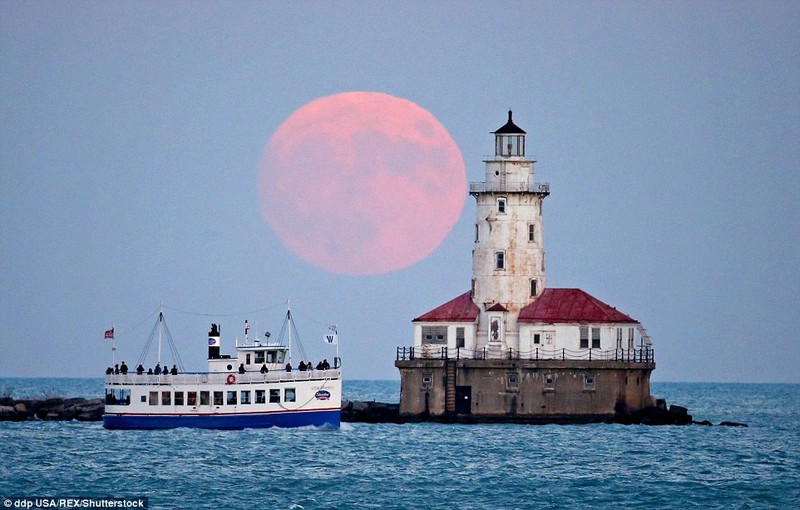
(570, 305)
(497, 307)
(460, 309)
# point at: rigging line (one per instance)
(283, 303)
(131, 330)
(307, 318)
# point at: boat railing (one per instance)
(189, 378)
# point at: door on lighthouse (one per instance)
(463, 399)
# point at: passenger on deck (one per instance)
(149, 371)
(264, 368)
(241, 368)
(301, 367)
(288, 367)
(174, 370)
(319, 366)
(123, 368)
(325, 364)
(157, 371)
(109, 371)
(140, 369)
(116, 368)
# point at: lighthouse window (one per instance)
(537, 338)
(500, 260)
(501, 205)
(595, 338)
(477, 233)
(533, 288)
(274, 396)
(231, 398)
(584, 337)
(289, 395)
(588, 382)
(531, 233)
(549, 382)
(218, 398)
(460, 337)
(434, 334)
(153, 398)
(204, 398)
(630, 338)
(260, 396)
(245, 397)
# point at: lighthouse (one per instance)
(508, 260)
(512, 348)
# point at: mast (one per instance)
(160, 328)
(289, 323)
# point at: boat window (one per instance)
(153, 398)
(218, 398)
(204, 398)
(231, 398)
(260, 396)
(192, 398)
(118, 397)
(245, 397)
(289, 395)
(166, 398)
(178, 398)
(259, 356)
(144, 398)
(274, 396)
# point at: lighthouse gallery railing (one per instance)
(644, 355)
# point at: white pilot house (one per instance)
(511, 348)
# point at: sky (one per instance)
(131, 134)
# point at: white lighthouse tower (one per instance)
(508, 262)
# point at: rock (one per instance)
(370, 412)
(732, 424)
(704, 422)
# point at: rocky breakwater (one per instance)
(58, 408)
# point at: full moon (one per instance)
(361, 183)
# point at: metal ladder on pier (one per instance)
(450, 386)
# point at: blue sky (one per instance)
(130, 136)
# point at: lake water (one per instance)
(421, 465)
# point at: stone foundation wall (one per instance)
(517, 390)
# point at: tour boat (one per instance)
(256, 388)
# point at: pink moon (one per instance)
(361, 183)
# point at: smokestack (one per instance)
(213, 342)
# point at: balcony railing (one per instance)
(483, 187)
(644, 355)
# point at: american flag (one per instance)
(110, 333)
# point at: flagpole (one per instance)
(113, 348)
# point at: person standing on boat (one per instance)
(264, 368)
(124, 368)
(241, 368)
(140, 369)
(116, 369)
(174, 370)
(157, 371)
(301, 367)
(288, 367)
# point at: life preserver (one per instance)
(231, 378)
